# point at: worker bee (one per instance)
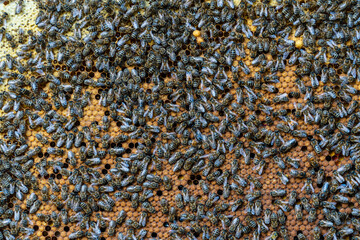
(316, 232)
(274, 220)
(111, 229)
(164, 206)
(148, 207)
(308, 186)
(301, 236)
(35, 206)
(53, 185)
(298, 212)
(320, 177)
(213, 219)
(172, 214)
(55, 151)
(281, 98)
(305, 203)
(340, 198)
(135, 200)
(315, 145)
(312, 215)
(104, 205)
(278, 193)
(179, 201)
(77, 234)
(121, 217)
(313, 161)
(287, 146)
(279, 162)
(282, 177)
(31, 199)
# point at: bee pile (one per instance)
(181, 119)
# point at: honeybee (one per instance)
(313, 161)
(282, 177)
(77, 234)
(274, 220)
(35, 206)
(111, 229)
(312, 215)
(31, 199)
(298, 212)
(278, 193)
(121, 217)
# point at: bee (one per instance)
(20, 150)
(281, 98)
(152, 185)
(120, 138)
(278, 193)
(95, 129)
(135, 200)
(282, 177)
(55, 151)
(257, 207)
(345, 231)
(301, 236)
(313, 161)
(274, 220)
(279, 162)
(312, 215)
(35, 206)
(116, 151)
(111, 229)
(204, 186)
(78, 139)
(45, 193)
(316, 233)
(315, 145)
(315, 200)
(77, 234)
(106, 123)
(33, 152)
(64, 216)
(320, 177)
(85, 207)
(298, 212)
(53, 185)
(255, 181)
(331, 233)
(305, 203)
(104, 205)
(341, 199)
(101, 220)
(105, 141)
(325, 223)
(121, 217)
(299, 133)
(179, 201)
(287, 146)
(148, 207)
(172, 214)
(31, 199)
(308, 186)
(69, 140)
(164, 206)
(212, 217)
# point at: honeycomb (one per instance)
(158, 224)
